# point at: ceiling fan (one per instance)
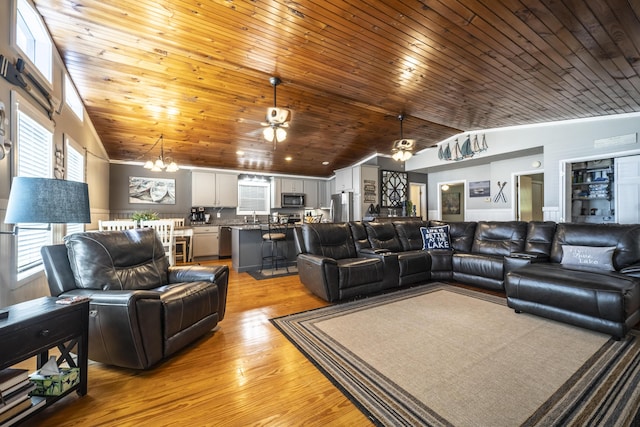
(402, 148)
(277, 119)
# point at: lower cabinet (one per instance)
(205, 242)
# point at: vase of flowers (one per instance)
(140, 216)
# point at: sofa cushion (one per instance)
(409, 234)
(382, 235)
(588, 256)
(460, 233)
(499, 237)
(117, 260)
(624, 237)
(435, 237)
(332, 240)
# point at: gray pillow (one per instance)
(599, 257)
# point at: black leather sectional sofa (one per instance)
(583, 274)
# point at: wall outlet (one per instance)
(217, 214)
(487, 199)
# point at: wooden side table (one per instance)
(34, 327)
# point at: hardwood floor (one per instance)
(245, 373)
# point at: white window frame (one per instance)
(251, 207)
(72, 99)
(40, 58)
(22, 106)
(75, 170)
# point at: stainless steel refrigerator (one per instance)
(341, 207)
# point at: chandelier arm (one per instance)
(150, 149)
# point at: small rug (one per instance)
(270, 273)
(441, 355)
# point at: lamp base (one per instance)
(4, 314)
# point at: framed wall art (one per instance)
(152, 190)
(394, 187)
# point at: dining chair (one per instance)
(181, 242)
(117, 225)
(164, 228)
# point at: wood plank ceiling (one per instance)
(198, 72)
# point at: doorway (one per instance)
(417, 195)
(529, 197)
(451, 200)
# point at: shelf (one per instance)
(591, 182)
(593, 198)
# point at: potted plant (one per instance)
(139, 216)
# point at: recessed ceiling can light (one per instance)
(325, 163)
(288, 158)
(240, 153)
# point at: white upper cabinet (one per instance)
(310, 189)
(214, 189)
(344, 180)
(292, 185)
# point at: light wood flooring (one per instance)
(245, 373)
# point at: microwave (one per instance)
(292, 200)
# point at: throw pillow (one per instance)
(600, 257)
(435, 237)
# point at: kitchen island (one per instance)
(246, 247)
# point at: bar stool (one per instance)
(276, 233)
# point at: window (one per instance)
(34, 140)
(75, 172)
(254, 197)
(32, 39)
(72, 98)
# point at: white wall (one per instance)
(558, 142)
(66, 123)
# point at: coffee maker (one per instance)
(193, 216)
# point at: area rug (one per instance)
(270, 273)
(442, 355)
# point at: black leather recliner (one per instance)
(141, 309)
(329, 265)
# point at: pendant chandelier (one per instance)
(402, 148)
(277, 119)
(162, 163)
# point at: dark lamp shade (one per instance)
(47, 201)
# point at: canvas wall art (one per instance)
(152, 190)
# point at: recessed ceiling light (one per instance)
(288, 158)
(240, 153)
(325, 163)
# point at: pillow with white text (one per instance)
(435, 237)
(600, 257)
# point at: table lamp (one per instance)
(46, 201)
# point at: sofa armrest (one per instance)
(125, 327)
(533, 256)
(373, 251)
(520, 259)
(320, 275)
(195, 273)
(632, 270)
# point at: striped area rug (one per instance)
(445, 356)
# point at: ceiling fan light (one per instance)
(406, 155)
(281, 134)
(268, 133)
(397, 156)
(148, 164)
(159, 163)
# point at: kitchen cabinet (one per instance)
(292, 185)
(214, 189)
(205, 241)
(203, 186)
(592, 191)
(226, 190)
(324, 194)
(310, 189)
(276, 193)
(344, 180)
